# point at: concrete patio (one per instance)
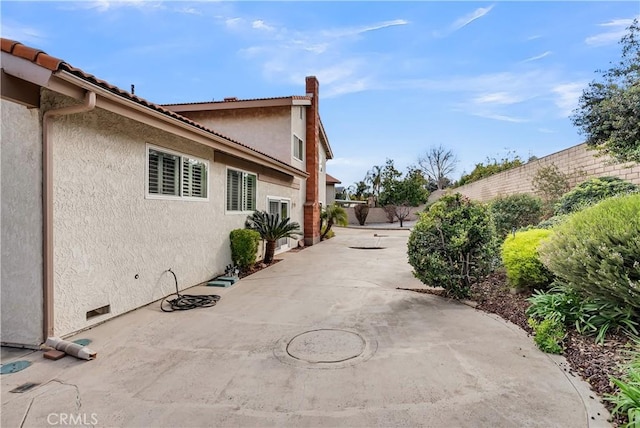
(321, 339)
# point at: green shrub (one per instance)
(592, 191)
(244, 247)
(522, 262)
(627, 399)
(361, 211)
(590, 316)
(549, 334)
(596, 252)
(515, 211)
(551, 222)
(453, 245)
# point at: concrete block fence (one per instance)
(577, 162)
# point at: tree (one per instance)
(437, 164)
(374, 177)
(271, 228)
(608, 111)
(493, 166)
(332, 214)
(400, 194)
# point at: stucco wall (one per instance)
(21, 224)
(577, 162)
(265, 129)
(112, 245)
(298, 128)
(379, 215)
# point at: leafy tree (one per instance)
(400, 194)
(332, 214)
(437, 164)
(358, 191)
(493, 166)
(608, 111)
(271, 228)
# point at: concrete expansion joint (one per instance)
(74, 386)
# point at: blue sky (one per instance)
(485, 79)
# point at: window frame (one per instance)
(181, 158)
(242, 204)
(298, 141)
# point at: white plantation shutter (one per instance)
(241, 191)
(194, 178)
(175, 175)
(250, 192)
(163, 174)
(234, 181)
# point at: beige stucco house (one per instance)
(287, 128)
(103, 192)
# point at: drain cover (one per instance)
(326, 346)
(14, 367)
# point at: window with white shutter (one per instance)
(241, 190)
(172, 175)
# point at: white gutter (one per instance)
(47, 203)
(216, 142)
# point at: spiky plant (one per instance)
(271, 228)
(332, 214)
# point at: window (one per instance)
(241, 191)
(173, 175)
(298, 148)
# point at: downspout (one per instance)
(47, 204)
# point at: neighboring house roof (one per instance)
(235, 103)
(332, 180)
(54, 64)
(231, 103)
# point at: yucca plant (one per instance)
(271, 228)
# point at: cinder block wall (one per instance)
(578, 162)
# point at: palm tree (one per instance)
(374, 176)
(332, 214)
(271, 228)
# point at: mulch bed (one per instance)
(593, 362)
(256, 268)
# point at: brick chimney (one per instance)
(311, 205)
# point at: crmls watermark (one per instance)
(72, 419)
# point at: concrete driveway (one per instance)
(322, 338)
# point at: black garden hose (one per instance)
(184, 302)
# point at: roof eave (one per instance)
(120, 105)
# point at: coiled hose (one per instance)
(184, 302)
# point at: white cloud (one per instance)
(616, 30)
(106, 5)
(233, 22)
(537, 57)
(567, 96)
(345, 32)
(500, 117)
(259, 24)
(468, 19)
(497, 98)
(189, 11)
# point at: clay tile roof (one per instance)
(332, 180)
(30, 54)
(54, 64)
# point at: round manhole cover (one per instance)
(326, 346)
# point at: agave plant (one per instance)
(271, 228)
